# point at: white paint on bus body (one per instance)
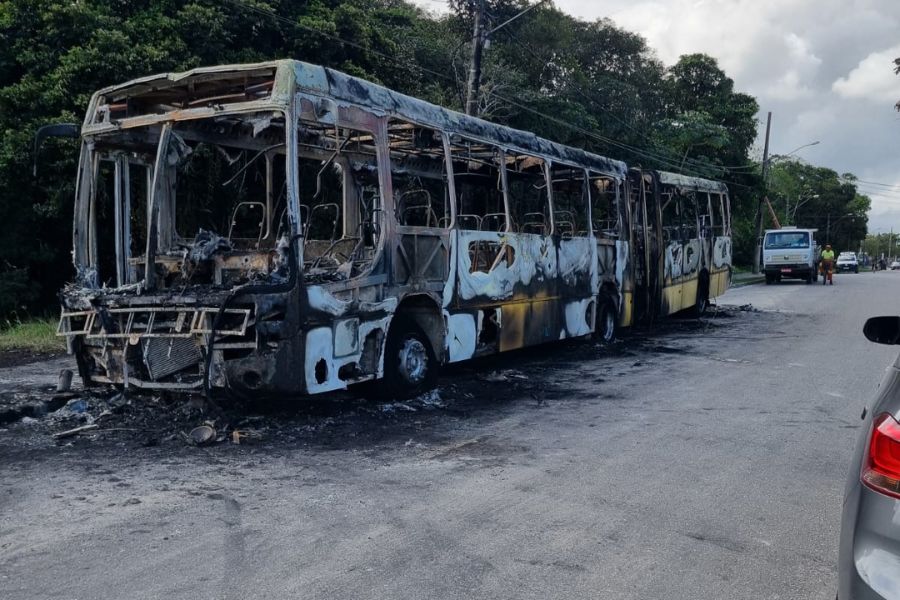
(575, 258)
(577, 323)
(462, 336)
(322, 346)
(721, 252)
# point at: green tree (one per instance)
(817, 197)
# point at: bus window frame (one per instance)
(585, 195)
(545, 170)
(448, 169)
(615, 210)
(501, 167)
(335, 116)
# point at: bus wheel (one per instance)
(606, 320)
(410, 367)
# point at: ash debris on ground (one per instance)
(37, 415)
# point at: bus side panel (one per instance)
(509, 282)
(578, 284)
(529, 324)
(625, 283)
(345, 339)
(673, 289)
(720, 267)
(575, 272)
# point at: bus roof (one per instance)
(696, 184)
(318, 80)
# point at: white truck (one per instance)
(790, 252)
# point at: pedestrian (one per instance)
(827, 265)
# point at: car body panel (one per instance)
(869, 554)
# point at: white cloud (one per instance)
(796, 79)
(873, 78)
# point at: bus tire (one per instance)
(410, 365)
(607, 320)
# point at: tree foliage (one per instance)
(589, 84)
(817, 197)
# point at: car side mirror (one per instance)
(883, 330)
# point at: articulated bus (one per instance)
(283, 228)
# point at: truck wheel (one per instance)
(410, 366)
(769, 279)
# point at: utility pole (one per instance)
(759, 211)
(475, 66)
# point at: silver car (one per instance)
(869, 558)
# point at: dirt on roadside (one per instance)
(17, 358)
(104, 417)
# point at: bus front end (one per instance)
(184, 241)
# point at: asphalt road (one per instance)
(695, 461)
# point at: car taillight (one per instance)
(881, 470)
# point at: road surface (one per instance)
(698, 460)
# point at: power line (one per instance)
(895, 186)
(594, 135)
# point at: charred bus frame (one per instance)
(370, 235)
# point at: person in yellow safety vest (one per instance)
(827, 264)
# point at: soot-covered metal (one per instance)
(286, 228)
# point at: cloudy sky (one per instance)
(823, 67)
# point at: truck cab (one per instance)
(790, 253)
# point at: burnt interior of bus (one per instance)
(176, 214)
(214, 221)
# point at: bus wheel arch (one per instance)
(414, 347)
(607, 319)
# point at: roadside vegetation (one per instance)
(33, 335)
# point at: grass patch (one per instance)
(35, 335)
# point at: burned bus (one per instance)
(283, 228)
